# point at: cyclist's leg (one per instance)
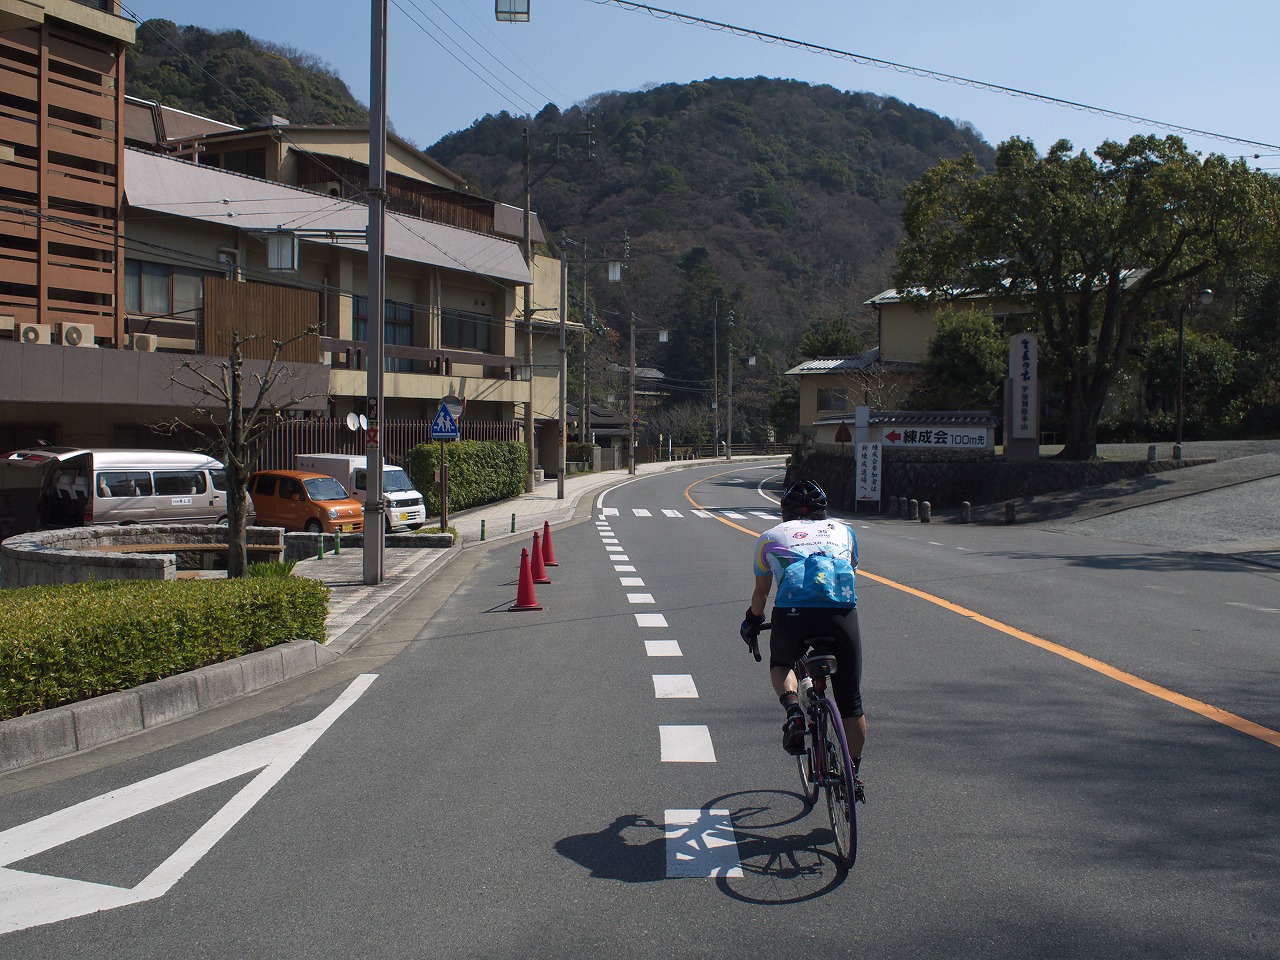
(846, 685)
(785, 648)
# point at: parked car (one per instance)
(300, 500)
(404, 505)
(48, 487)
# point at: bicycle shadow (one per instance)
(778, 864)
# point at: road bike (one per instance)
(825, 765)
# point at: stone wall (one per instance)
(71, 555)
(947, 480)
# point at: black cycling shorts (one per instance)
(794, 629)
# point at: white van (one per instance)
(44, 487)
(406, 508)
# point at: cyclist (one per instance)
(813, 559)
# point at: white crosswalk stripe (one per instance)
(735, 516)
(702, 513)
(764, 516)
(641, 512)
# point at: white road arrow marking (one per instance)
(32, 900)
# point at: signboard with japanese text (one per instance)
(1024, 409)
(964, 438)
(867, 484)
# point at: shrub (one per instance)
(480, 471)
(272, 568)
(61, 644)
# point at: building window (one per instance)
(397, 322)
(832, 401)
(465, 329)
(160, 290)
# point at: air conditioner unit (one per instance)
(146, 342)
(35, 333)
(76, 334)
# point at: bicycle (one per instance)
(825, 765)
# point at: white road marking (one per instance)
(619, 556)
(631, 581)
(32, 900)
(672, 513)
(613, 548)
(608, 539)
(686, 744)
(650, 620)
(640, 598)
(764, 516)
(935, 543)
(609, 512)
(662, 648)
(735, 516)
(674, 686)
(1254, 608)
(702, 844)
(641, 512)
(702, 513)
(623, 567)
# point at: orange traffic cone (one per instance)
(548, 554)
(526, 598)
(539, 567)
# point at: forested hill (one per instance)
(230, 76)
(795, 192)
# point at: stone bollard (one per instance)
(1151, 451)
(926, 511)
(1008, 511)
(1177, 451)
(966, 511)
(893, 504)
(913, 510)
(902, 507)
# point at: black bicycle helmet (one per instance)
(804, 498)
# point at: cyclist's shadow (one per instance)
(631, 849)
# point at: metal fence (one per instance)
(397, 437)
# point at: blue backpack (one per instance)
(820, 581)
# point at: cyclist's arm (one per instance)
(760, 595)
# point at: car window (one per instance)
(131, 483)
(179, 483)
(289, 488)
(324, 488)
(359, 481)
(266, 485)
(219, 479)
(396, 481)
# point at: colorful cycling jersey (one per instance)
(813, 562)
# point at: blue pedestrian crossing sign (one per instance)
(444, 426)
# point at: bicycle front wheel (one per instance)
(837, 779)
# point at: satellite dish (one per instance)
(364, 422)
(353, 422)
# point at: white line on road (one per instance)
(735, 516)
(613, 548)
(619, 556)
(689, 743)
(672, 513)
(702, 513)
(662, 648)
(764, 516)
(32, 899)
(1254, 608)
(631, 581)
(701, 844)
(640, 598)
(674, 686)
(650, 620)
(623, 567)
(641, 512)
(609, 512)
(608, 539)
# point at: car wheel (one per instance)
(313, 526)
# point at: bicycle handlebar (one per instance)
(755, 641)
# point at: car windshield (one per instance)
(324, 488)
(396, 481)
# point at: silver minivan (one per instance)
(43, 487)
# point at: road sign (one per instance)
(444, 426)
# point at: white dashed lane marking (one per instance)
(640, 598)
(672, 513)
(623, 567)
(650, 620)
(702, 513)
(701, 844)
(609, 512)
(662, 648)
(674, 686)
(631, 581)
(686, 743)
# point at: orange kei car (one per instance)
(301, 501)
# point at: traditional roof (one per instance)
(193, 192)
(849, 364)
(908, 418)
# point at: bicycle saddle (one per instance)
(820, 664)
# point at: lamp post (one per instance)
(1205, 297)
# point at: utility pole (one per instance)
(631, 402)
(374, 541)
(564, 372)
(528, 325)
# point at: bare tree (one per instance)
(238, 428)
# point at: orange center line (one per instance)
(1206, 710)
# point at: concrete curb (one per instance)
(69, 729)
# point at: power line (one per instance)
(660, 14)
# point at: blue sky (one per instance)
(1210, 67)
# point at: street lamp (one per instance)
(1205, 297)
(751, 362)
(631, 395)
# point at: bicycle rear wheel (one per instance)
(837, 779)
(807, 762)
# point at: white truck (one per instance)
(405, 507)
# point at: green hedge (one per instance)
(580, 453)
(480, 472)
(62, 644)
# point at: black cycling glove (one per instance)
(750, 628)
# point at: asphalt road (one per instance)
(1044, 779)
